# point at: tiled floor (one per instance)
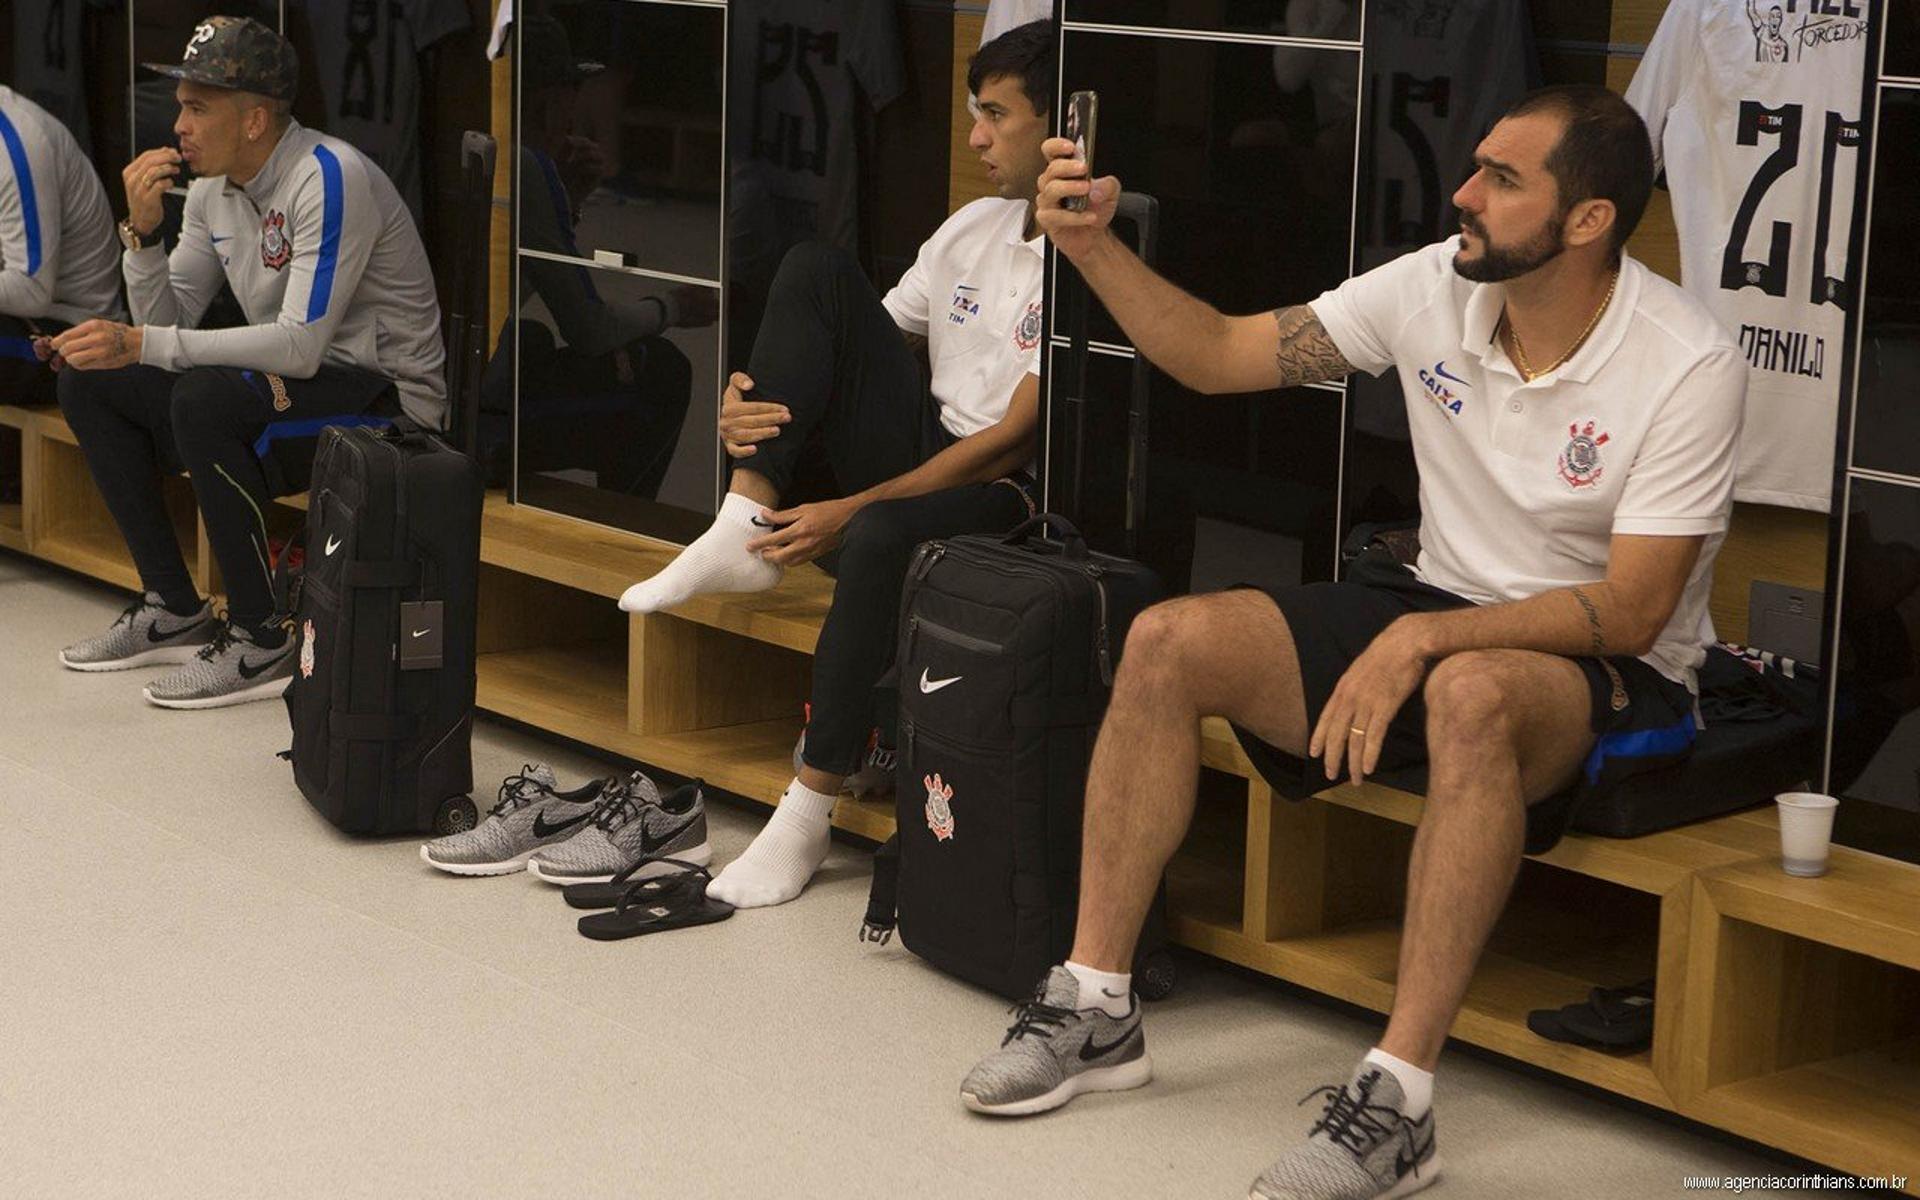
(206, 992)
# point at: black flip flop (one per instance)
(1547, 1023)
(608, 894)
(664, 902)
(1615, 1018)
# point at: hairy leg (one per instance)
(1505, 729)
(1227, 654)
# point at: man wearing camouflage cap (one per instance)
(343, 329)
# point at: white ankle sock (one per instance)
(716, 561)
(775, 868)
(1417, 1084)
(1107, 991)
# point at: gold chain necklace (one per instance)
(1520, 351)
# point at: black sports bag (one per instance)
(381, 701)
(1005, 663)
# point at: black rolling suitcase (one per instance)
(381, 701)
(1005, 663)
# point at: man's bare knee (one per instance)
(1468, 703)
(1159, 643)
(1527, 709)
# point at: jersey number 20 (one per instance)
(1770, 275)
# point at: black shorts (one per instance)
(1641, 720)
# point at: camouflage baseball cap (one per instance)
(238, 53)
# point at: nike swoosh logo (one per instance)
(157, 634)
(930, 686)
(422, 632)
(1440, 369)
(650, 844)
(218, 238)
(542, 829)
(249, 671)
(759, 524)
(1090, 1050)
(332, 545)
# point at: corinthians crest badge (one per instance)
(1580, 462)
(1026, 334)
(275, 250)
(939, 807)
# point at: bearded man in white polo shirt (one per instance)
(1573, 418)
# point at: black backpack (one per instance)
(1004, 664)
(381, 702)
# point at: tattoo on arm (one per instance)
(120, 340)
(1307, 353)
(1593, 621)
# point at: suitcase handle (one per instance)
(1054, 523)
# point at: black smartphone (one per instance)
(1083, 119)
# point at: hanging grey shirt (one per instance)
(326, 263)
(56, 234)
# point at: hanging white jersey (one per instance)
(1754, 110)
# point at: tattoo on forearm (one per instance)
(1306, 354)
(120, 341)
(1593, 621)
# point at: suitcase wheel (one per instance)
(457, 815)
(1154, 976)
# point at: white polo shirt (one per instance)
(1522, 485)
(974, 294)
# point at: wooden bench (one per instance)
(1787, 1010)
(63, 519)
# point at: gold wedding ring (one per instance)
(1356, 729)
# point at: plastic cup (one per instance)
(1806, 831)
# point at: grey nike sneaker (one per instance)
(1363, 1146)
(145, 634)
(529, 815)
(1054, 1051)
(636, 823)
(230, 669)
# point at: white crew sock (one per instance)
(1109, 992)
(1417, 1084)
(775, 868)
(716, 561)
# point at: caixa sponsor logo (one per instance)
(1438, 391)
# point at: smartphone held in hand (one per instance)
(1083, 118)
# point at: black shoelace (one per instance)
(623, 800)
(129, 612)
(514, 790)
(1036, 1017)
(222, 639)
(1354, 1121)
(616, 810)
